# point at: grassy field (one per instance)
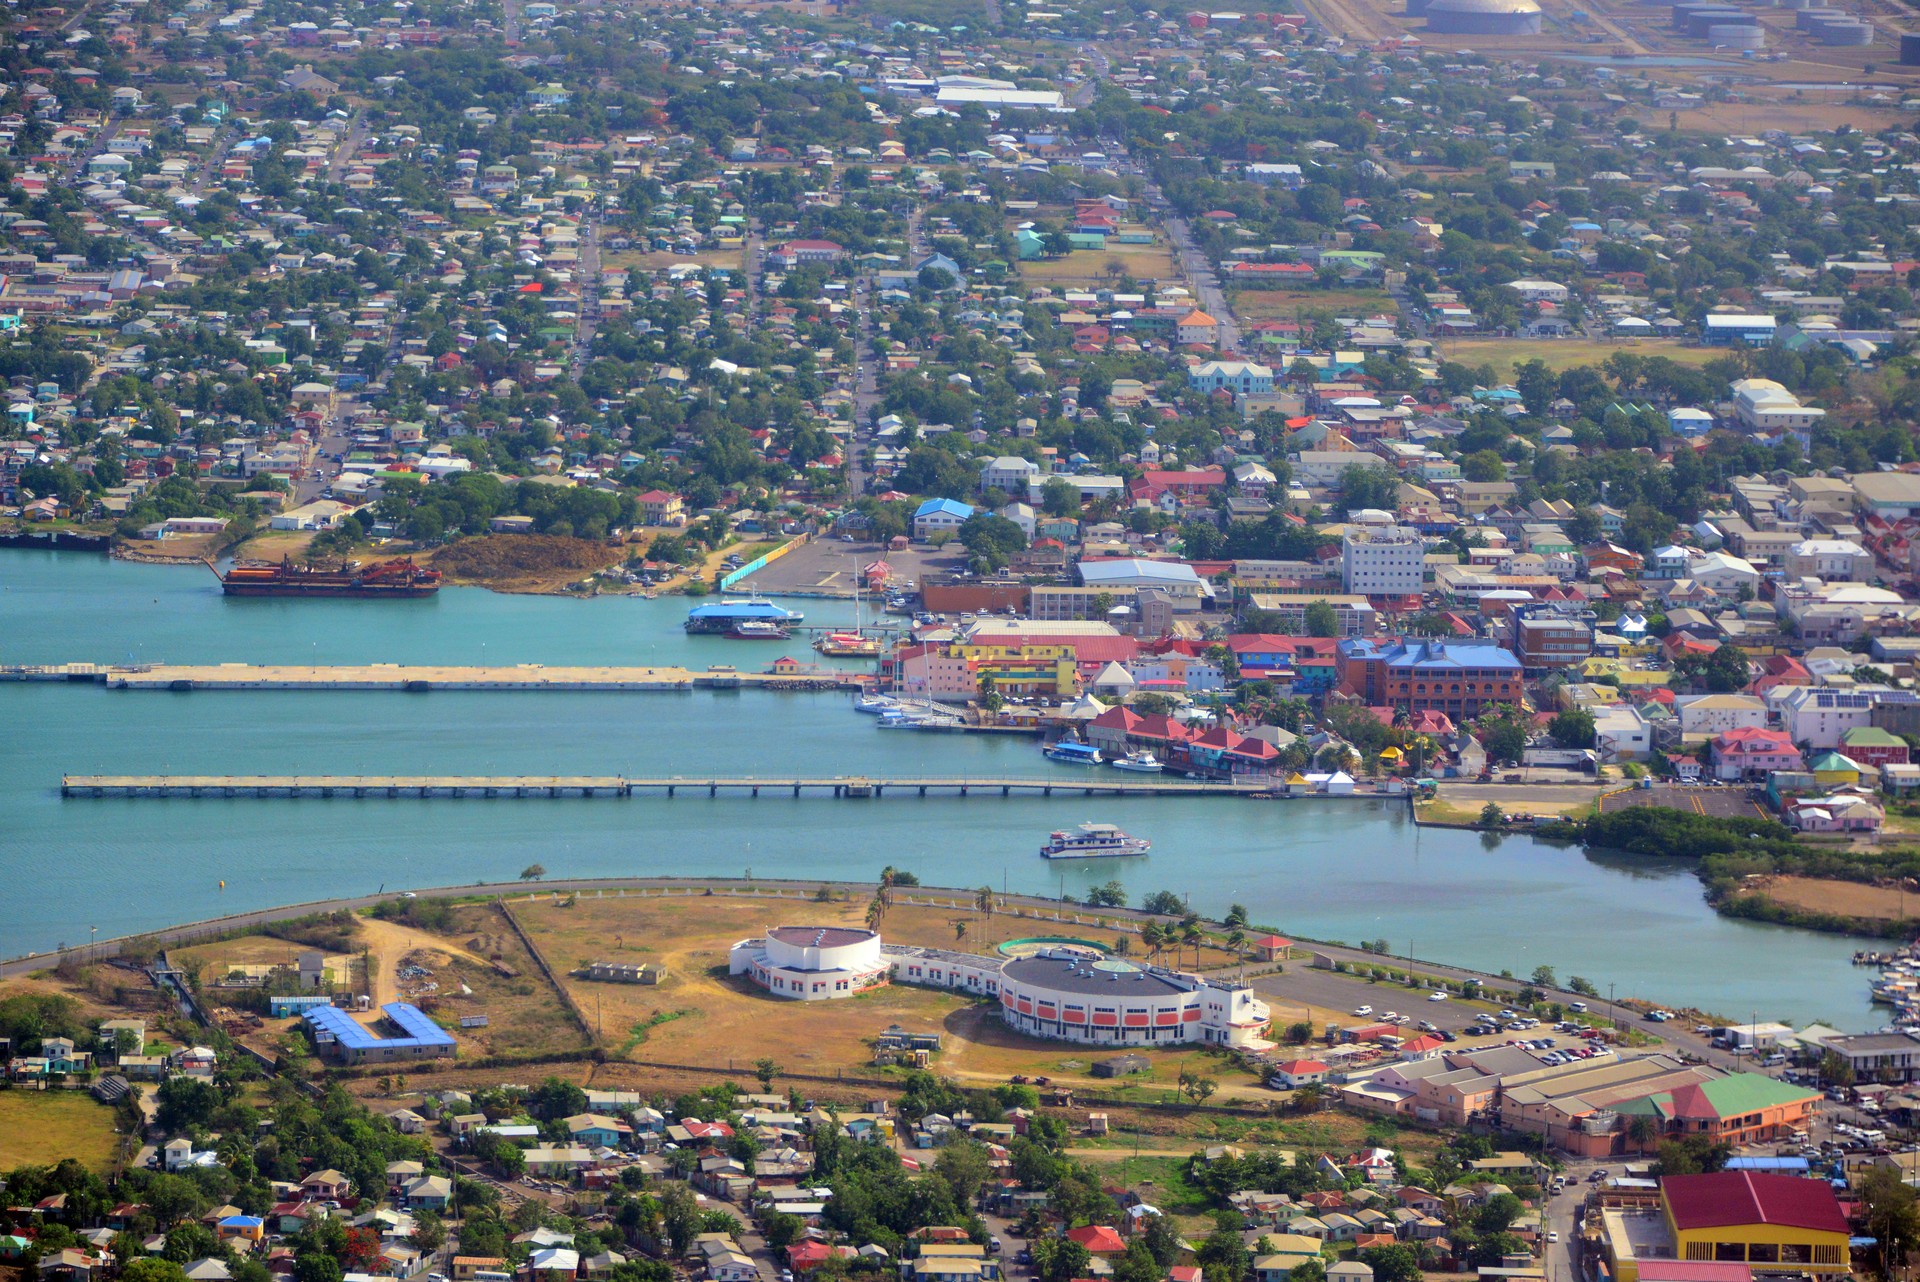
(1089, 266)
(39, 1128)
(1285, 304)
(1559, 354)
(628, 259)
(715, 1019)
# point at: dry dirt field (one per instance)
(1851, 899)
(653, 262)
(274, 545)
(1505, 353)
(1794, 117)
(524, 1016)
(1285, 304)
(701, 1016)
(1089, 266)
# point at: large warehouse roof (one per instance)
(964, 95)
(1726, 1199)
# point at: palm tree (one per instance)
(959, 931)
(983, 900)
(1237, 941)
(1154, 936)
(1190, 934)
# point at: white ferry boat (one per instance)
(1093, 841)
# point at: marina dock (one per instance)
(850, 786)
(419, 678)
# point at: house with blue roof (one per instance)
(938, 515)
(338, 1035)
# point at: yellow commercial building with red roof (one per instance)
(1755, 1222)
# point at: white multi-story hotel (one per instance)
(1383, 561)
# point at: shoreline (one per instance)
(801, 891)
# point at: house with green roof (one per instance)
(1871, 747)
(1741, 1108)
(1831, 769)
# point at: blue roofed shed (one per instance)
(340, 1035)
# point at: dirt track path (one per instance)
(387, 942)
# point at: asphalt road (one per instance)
(1199, 273)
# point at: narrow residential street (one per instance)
(589, 283)
(1198, 271)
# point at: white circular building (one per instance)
(1072, 997)
(811, 963)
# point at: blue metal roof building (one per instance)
(1432, 655)
(345, 1038)
(1775, 1165)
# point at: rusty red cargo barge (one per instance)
(398, 578)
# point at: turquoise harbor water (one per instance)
(1329, 870)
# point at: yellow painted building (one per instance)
(1026, 669)
(1776, 1223)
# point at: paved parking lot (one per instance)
(1727, 803)
(832, 566)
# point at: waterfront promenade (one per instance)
(508, 786)
(417, 678)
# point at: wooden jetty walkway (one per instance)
(853, 786)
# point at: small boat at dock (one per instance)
(1072, 752)
(1140, 763)
(758, 630)
(848, 645)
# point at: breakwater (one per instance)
(586, 786)
(420, 678)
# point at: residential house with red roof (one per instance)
(1099, 1239)
(1753, 753)
(1295, 1073)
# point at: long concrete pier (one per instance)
(418, 678)
(851, 786)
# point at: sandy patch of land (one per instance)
(275, 545)
(1843, 898)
